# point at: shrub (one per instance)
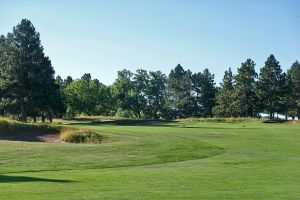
(124, 113)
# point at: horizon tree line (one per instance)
(28, 88)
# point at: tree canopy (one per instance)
(28, 88)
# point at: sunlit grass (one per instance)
(186, 159)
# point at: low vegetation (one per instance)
(8, 126)
(72, 135)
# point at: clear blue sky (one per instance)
(101, 37)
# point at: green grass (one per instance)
(189, 159)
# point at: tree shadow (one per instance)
(155, 123)
(17, 179)
(273, 121)
(128, 122)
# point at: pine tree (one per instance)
(205, 91)
(245, 88)
(270, 86)
(68, 80)
(294, 75)
(179, 91)
(27, 77)
(225, 98)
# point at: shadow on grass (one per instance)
(16, 179)
(154, 123)
(271, 121)
(127, 122)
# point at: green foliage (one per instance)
(293, 85)
(226, 97)
(205, 91)
(245, 89)
(124, 113)
(28, 88)
(87, 97)
(179, 91)
(26, 74)
(151, 93)
(124, 94)
(270, 86)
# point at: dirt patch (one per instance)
(33, 137)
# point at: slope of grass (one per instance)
(167, 160)
(8, 126)
(12, 129)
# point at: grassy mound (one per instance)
(10, 127)
(81, 136)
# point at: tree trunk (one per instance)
(43, 118)
(23, 110)
(34, 119)
(2, 112)
(50, 117)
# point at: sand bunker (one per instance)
(33, 137)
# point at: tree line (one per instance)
(29, 88)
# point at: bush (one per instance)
(81, 136)
(124, 113)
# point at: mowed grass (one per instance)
(166, 160)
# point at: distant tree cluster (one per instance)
(28, 88)
(271, 91)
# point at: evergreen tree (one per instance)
(59, 81)
(225, 98)
(27, 76)
(245, 89)
(286, 100)
(205, 91)
(86, 77)
(68, 80)
(270, 86)
(179, 91)
(294, 77)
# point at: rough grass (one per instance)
(72, 135)
(10, 127)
